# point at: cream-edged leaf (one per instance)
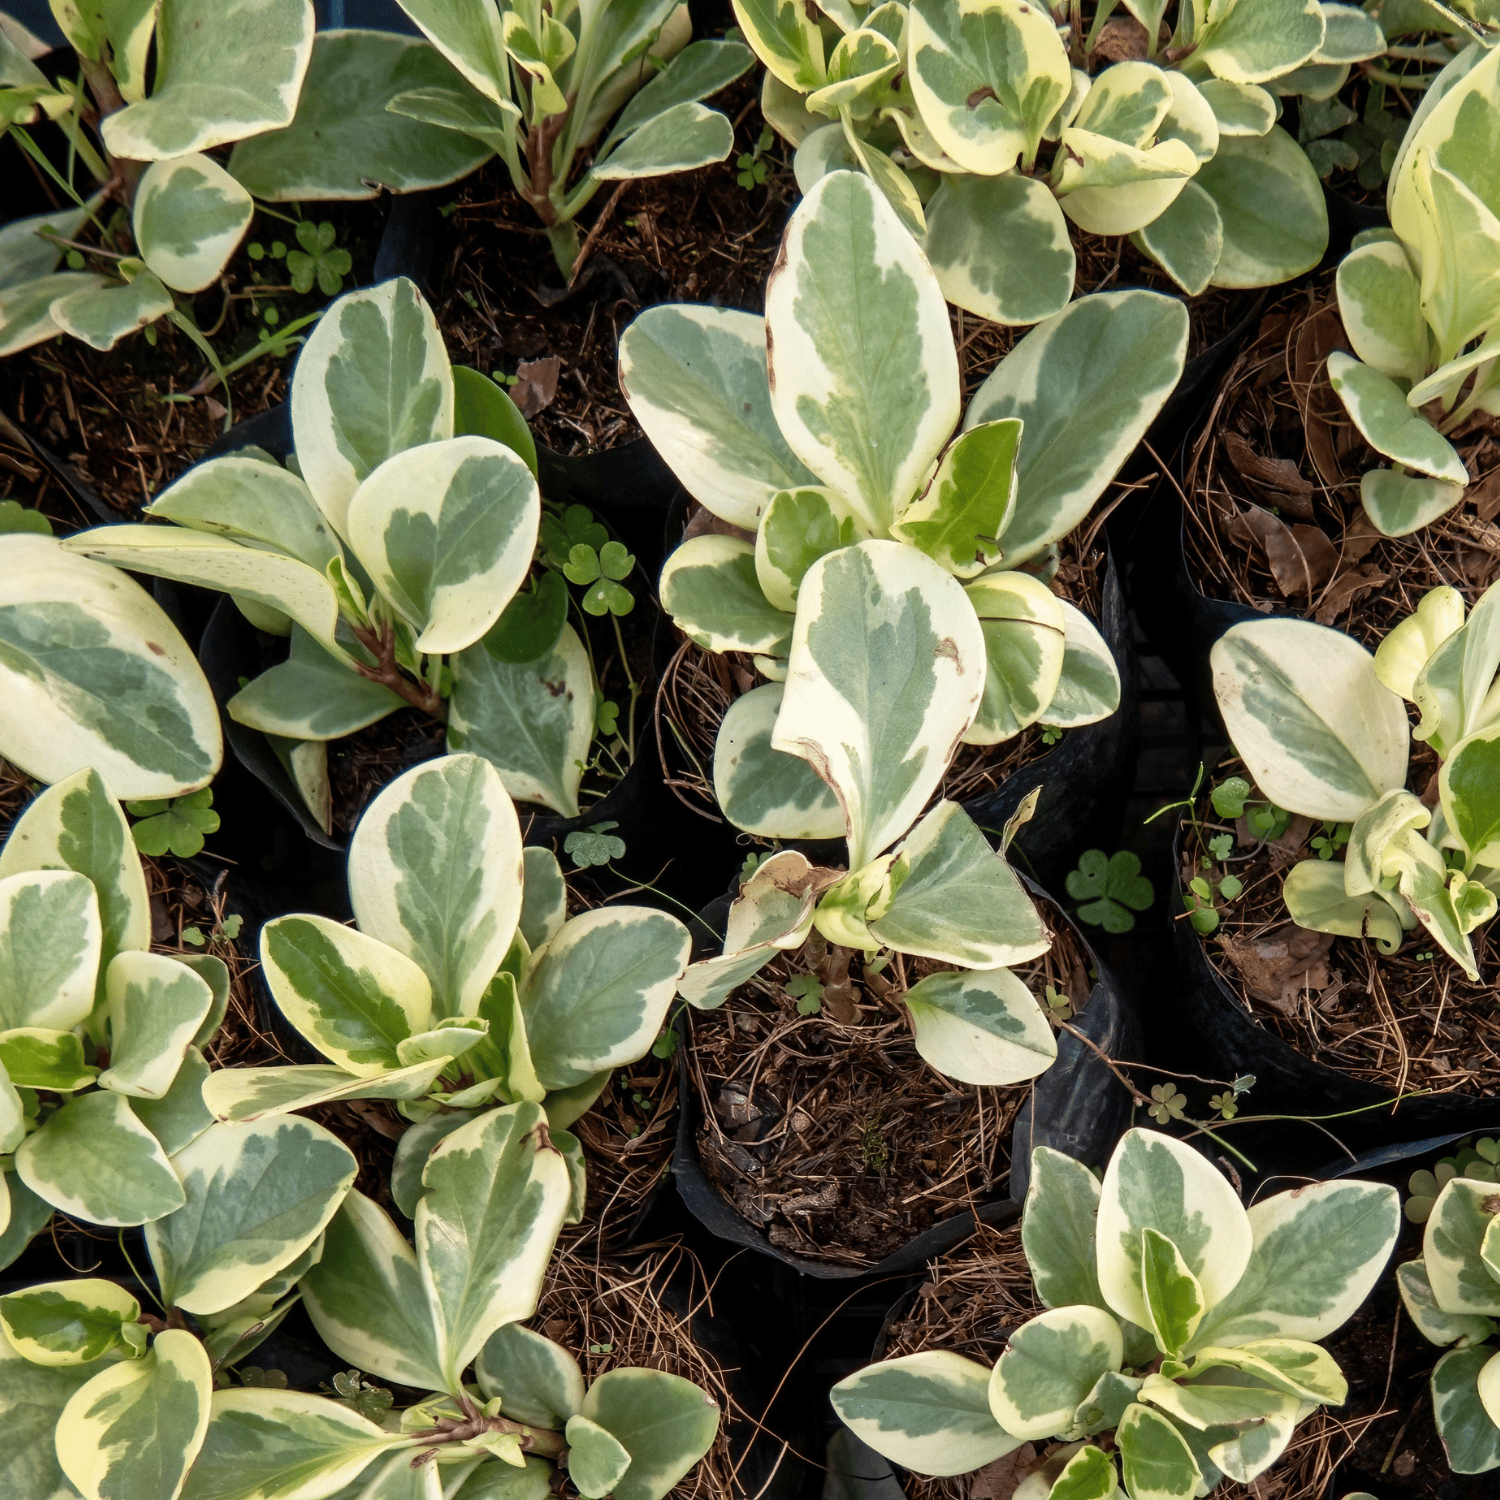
(189, 216)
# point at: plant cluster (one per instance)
(1180, 1342)
(1322, 727)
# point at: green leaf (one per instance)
(1049, 1366)
(798, 527)
(1000, 247)
(482, 408)
(180, 1116)
(864, 377)
(710, 588)
(958, 520)
(496, 1194)
(1317, 898)
(1381, 310)
(1155, 1182)
(1378, 408)
(982, 1028)
(366, 1297)
(101, 316)
(67, 1322)
(189, 217)
(929, 1412)
(1057, 1230)
(311, 696)
(372, 380)
(351, 995)
(531, 625)
(786, 39)
(695, 379)
(1187, 238)
(1318, 731)
(686, 136)
(1469, 782)
(94, 1160)
(764, 790)
(665, 1423)
(597, 995)
(1174, 1300)
(436, 866)
(154, 1009)
(1086, 385)
(1271, 205)
(137, 1427)
(956, 900)
(345, 142)
(533, 721)
(886, 672)
(257, 1197)
(282, 1445)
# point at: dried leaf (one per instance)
(1485, 496)
(1360, 537)
(998, 1479)
(1279, 966)
(1288, 565)
(1278, 478)
(1323, 416)
(1121, 39)
(703, 522)
(536, 384)
(1321, 555)
(1344, 590)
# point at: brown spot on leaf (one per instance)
(947, 647)
(980, 95)
(155, 649)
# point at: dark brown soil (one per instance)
(1410, 1021)
(1273, 516)
(698, 686)
(835, 1137)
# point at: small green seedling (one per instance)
(1168, 1103)
(175, 825)
(751, 168)
(594, 845)
(319, 260)
(807, 991)
(1112, 889)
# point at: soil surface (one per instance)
(1411, 1020)
(827, 1130)
(1272, 511)
(698, 687)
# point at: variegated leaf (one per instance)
(956, 900)
(1399, 503)
(1156, 1182)
(695, 379)
(544, 902)
(1157, 1461)
(226, 69)
(351, 995)
(311, 696)
(533, 721)
(959, 519)
(36, 1057)
(257, 1197)
(435, 866)
(101, 316)
(988, 76)
(764, 790)
(1088, 687)
(246, 1094)
(1378, 407)
(446, 532)
(282, 1445)
(366, 1298)
(189, 216)
(798, 527)
(1316, 1253)
(537, 1381)
(1186, 239)
(95, 674)
(1252, 41)
(864, 378)
(786, 39)
(886, 672)
(1452, 1249)
(1381, 308)
(980, 1027)
(136, 1427)
(1025, 643)
(346, 142)
(1058, 1229)
(929, 1412)
(180, 1116)
(154, 1008)
(597, 994)
(50, 943)
(999, 247)
(26, 309)
(711, 589)
(1318, 731)
(1470, 1434)
(67, 1322)
(1049, 1366)
(1086, 385)
(497, 1192)
(94, 1160)
(372, 380)
(1433, 1323)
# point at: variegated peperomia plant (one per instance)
(106, 1403)
(478, 990)
(985, 128)
(101, 1040)
(1179, 1341)
(544, 78)
(1323, 730)
(394, 555)
(1452, 1294)
(1420, 302)
(225, 69)
(879, 568)
(943, 895)
(94, 674)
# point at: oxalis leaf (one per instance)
(1111, 888)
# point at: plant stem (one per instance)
(635, 687)
(385, 671)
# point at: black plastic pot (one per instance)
(1227, 1041)
(1077, 1106)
